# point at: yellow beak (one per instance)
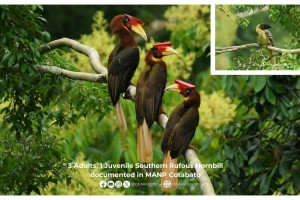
(139, 30)
(174, 87)
(169, 51)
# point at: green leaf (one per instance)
(283, 169)
(270, 96)
(227, 82)
(295, 177)
(6, 56)
(264, 185)
(262, 99)
(238, 161)
(254, 157)
(252, 81)
(215, 143)
(260, 83)
(243, 153)
(284, 111)
(228, 151)
(234, 169)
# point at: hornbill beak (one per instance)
(139, 30)
(174, 87)
(169, 51)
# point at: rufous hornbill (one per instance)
(265, 37)
(149, 92)
(123, 61)
(179, 131)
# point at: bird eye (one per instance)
(154, 51)
(187, 91)
(126, 20)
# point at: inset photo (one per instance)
(259, 39)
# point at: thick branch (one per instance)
(205, 184)
(78, 47)
(101, 78)
(73, 75)
(255, 45)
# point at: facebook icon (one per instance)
(102, 184)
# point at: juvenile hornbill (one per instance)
(180, 130)
(123, 61)
(149, 92)
(265, 38)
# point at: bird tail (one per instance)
(169, 183)
(144, 144)
(121, 120)
(272, 57)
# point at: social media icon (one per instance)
(110, 184)
(126, 184)
(118, 184)
(102, 184)
(167, 184)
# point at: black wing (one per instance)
(151, 89)
(180, 129)
(123, 62)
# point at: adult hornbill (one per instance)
(179, 131)
(123, 61)
(265, 37)
(149, 92)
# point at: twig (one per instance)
(220, 50)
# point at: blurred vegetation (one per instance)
(84, 185)
(248, 123)
(74, 20)
(236, 24)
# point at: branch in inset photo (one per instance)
(220, 50)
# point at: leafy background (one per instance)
(249, 123)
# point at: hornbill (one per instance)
(149, 93)
(265, 38)
(123, 61)
(179, 131)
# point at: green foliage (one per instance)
(83, 184)
(34, 105)
(283, 15)
(260, 151)
(190, 31)
(104, 44)
(21, 35)
(215, 110)
(29, 164)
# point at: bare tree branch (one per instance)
(220, 50)
(100, 78)
(205, 184)
(80, 48)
